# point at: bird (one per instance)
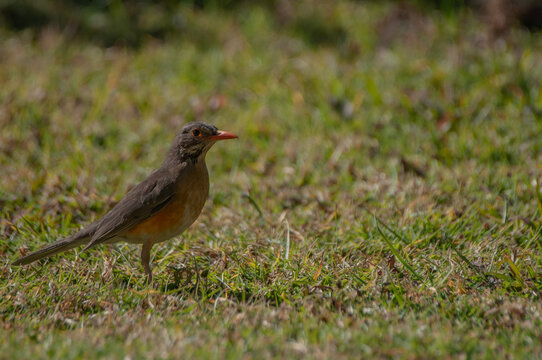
(160, 207)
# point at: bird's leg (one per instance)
(145, 258)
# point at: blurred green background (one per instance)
(130, 23)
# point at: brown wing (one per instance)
(140, 203)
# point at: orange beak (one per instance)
(222, 135)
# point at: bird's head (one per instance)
(196, 138)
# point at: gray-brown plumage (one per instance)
(160, 207)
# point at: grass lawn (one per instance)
(383, 199)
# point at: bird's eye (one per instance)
(196, 132)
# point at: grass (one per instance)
(383, 199)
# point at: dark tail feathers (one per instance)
(60, 246)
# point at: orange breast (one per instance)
(183, 209)
(166, 220)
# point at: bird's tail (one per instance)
(61, 245)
